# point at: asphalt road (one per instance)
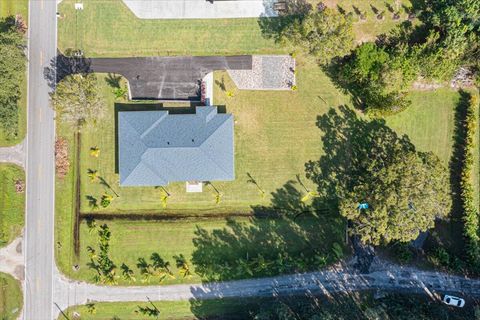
(390, 278)
(168, 78)
(39, 232)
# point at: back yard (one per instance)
(276, 133)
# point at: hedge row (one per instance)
(470, 213)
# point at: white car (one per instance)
(453, 301)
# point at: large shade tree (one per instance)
(385, 188)
(12, 69)
(325, 34)
(77, 101)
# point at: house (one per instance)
(156, 147)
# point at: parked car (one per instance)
(453, 301)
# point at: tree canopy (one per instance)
(12, 70)
(324, 34)
(378, 79)
(367, 162)
(77, 101)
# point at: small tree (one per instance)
(76, 99)
(91, 308)
(106, 200)
(94, 152)
(127, 273)
(182, 266)
(93, 175)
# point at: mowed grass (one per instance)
(275, 135)
(126, 310)
(12, 204)
(132, 240)
(11, 8)
(368, 29)
(10, 297)
(109, 28)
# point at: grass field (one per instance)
(12, 204)
(7, 8)
(10, 297)
(139, 239)
(356, 305)
(108, 28)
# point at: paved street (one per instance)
(393, 277)
(39, 230)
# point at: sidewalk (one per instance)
(200, 9)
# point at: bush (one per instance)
(379, 79)
(470, 213)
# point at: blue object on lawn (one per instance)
(363, 205)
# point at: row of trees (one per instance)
(12, 71)
(470, 212)
(106, 270)
(380, 74)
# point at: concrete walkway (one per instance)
(200, 9)
(12, 260)
(14, 154)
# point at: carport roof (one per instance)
(156, 147)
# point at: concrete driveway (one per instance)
(168, 78)
(200, 9)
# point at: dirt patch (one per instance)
(61, 158)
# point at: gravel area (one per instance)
(268, 73)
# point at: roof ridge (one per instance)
(155, 124)
(208, 138)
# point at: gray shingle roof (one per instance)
(156, 147)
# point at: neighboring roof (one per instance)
(156, 147)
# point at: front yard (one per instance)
(10, 297)
(12, 203)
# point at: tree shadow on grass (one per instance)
(450, 233)
(62, 66)
(277, 240)
(273, 27)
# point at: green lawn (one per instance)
(12, 204)
(108, 28)
(7, 8)
(354, 306)
(132, 240)
(10, 297)
(275, 135)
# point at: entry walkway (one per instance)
(200, 9)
